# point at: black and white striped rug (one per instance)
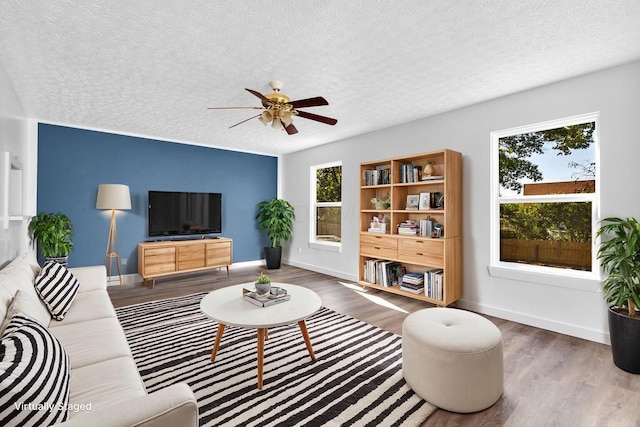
(356, 378)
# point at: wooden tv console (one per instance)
(167, 257)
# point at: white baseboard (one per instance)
(326, 271)
(538, 322)
(127, 279)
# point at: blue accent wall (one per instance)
(73, 162)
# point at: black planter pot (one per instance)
(273, 257)
(625, 338)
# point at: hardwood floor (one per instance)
(550, 379)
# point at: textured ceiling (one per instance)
(151, 68)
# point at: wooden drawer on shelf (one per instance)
(219, 253)
(378, 246)
(159, 260)
(191, 256)
(424, 251)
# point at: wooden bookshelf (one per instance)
(414, 252)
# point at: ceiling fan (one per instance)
(278, 109)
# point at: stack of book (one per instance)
(412, 282)
(408, 227)
(275, 296)
(433, 282)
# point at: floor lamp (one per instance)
(114, 197)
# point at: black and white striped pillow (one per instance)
(57, 287)
(34, 375)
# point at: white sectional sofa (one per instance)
(105, 388)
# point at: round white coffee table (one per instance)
(228, 308)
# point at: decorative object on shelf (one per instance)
(378, 224)
(53, 232)
(413, 201)
(438, 231)
(620, 259)
(425, 202)
(279, 110)
(276, 216)
(381, 202)
(114, 197)
(428, 169)
(438, 200)
(263, 285)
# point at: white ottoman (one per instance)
(452, 358)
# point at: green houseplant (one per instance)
(53, 232)
(276, 216)
(263, 284)
(620, 259)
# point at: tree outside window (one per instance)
(547, 194)
(327, 205)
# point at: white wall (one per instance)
(614, 92)
(18, 137)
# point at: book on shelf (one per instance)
(275, 296)
(378, 176)
(426, 226)
(410, 173)
(432, 177)
(434, 283)
(409, 279)
(382, 272)
(412, 290)
(408, 227)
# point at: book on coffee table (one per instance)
(275, 296)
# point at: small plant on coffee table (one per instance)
(263, 284)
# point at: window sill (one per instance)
(326, 246)
(582, 281)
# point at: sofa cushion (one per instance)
(19, 275)
(57, 287)
(34, 375)
(88, 306)
(23, 303)
(92, 341)
(105, 383)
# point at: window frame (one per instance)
(554, 276)
(313, 242)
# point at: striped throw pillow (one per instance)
(57, 287)
(34, 375)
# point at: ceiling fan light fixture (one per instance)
(276, 123)
(265, 117)
(285, 118)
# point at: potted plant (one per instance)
(276, 216)
(53, 232)
(263, 284)
(620, 259)
(381, 202)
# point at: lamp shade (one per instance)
(113, 196)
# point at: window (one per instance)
(545, 194)
(326, 206)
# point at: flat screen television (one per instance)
(174, 213)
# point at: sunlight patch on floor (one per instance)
(373, 298)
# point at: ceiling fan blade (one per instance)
(232, 126)
(234, 108)
(291, 129)
(317, 118)
(258, 94)
(309, 102)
